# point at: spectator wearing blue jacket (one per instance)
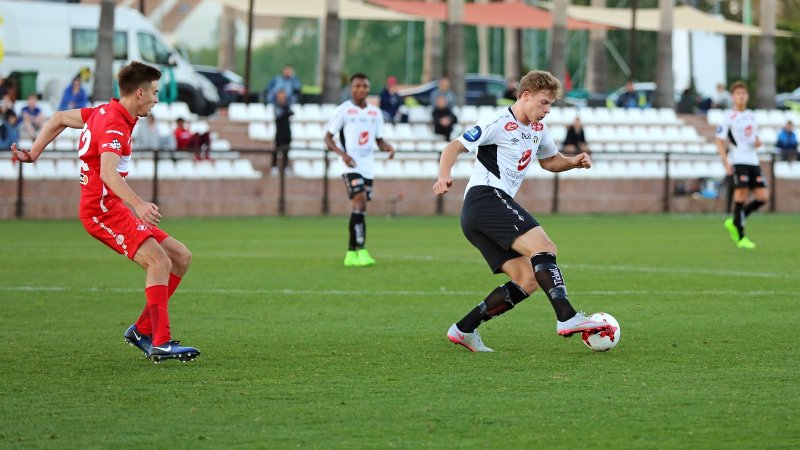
(74, 96)
(391, 102)
(9, 130)
(787, 143)
(285, 81)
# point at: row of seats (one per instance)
(601, 169)
(764, 117)
(468, 114)
(140, 169)
(162, 111)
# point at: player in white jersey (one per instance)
(359, 126)
(737, 144)
(510, 239)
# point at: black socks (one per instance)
(358, 230)
(549, 277)
(497, 302)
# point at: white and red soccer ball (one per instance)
(602, 341)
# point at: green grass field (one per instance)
(299, 352)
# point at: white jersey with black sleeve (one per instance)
(505, 148)
(739, 129)
(357, 128)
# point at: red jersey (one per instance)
(107, 129)
(183, 138)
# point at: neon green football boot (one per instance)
(745, 242)
(364, 258)
(732, 230)
(351, 259)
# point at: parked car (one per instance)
(480, 90)
(784, 100)
(230, 85)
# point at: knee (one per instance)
(527, 282)
(182, 259)
(159, 261)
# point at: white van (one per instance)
(57, 40)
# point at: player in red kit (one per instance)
(132, 230)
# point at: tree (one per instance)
(597, 78)
(455, 48)
(765, 91)
(104, 58)
(664, 83)
(332, 71)
(558, 41)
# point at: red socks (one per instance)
(154, 295)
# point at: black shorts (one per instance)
(355, 183)
(491, 220)
(747, 176)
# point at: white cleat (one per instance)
(578, 324)
(472, 341)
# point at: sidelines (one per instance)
(670, 293)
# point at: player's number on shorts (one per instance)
(86, 138)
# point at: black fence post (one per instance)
(773, 199)
(20, 207)
(556, 184)
(665, 199)
(325, 205)
(155, 176)
(280, 157)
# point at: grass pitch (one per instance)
(298, 351)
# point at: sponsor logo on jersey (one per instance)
(372, 112)
(511, 126)
(83, 179)
(537, 126)
(524, 160)
(120, 238)
(363, 137)
(114, 132)
(748, 130)
(352, 111)
(473, 134)
(525, 135)
(514, 140)
(114, 145)
(141, 227)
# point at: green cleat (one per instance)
(745, 242)
(364, 258)
(732, 230)
(351, 259)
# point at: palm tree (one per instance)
(455, 48)
(104, 58)
(432, 53)
(558, 40)
(765, 92)
(332, 72)
(664, 82)
(596, 79)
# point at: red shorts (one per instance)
(121, 230)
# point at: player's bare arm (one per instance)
(349, 162)
(146, 211)
(446, 163)
(51, 129)
(722, 149)
(385, 147)
(561, 163)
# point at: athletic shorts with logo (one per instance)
(355, 183)
(747, 176)
(491, 220)
(121, 230)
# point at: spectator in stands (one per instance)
(199, 143)
(722, 98)
(575, 142)
(687, 102)
(283, 133)
(629, 98)
(787, 143)
(391, 102)
(443, 118)
(445, 89)
(287, 81)
(146, 136)
(9, 129)
(74, 96)
(32, 118)
(511, 90)
(3, 91)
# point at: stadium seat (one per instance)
(715, 116)
(8, 170)
(419, 114)
(167, 170)
(67, 169)
(258, 131)
(789, 170)
(243, 168)
(237, 112)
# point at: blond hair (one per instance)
(539, 81)
(738, 85)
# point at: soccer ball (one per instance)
(602, 341)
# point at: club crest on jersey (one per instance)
(511, 126)
(473, 134)
(363, 137)
(114, 145)
(352, 111)
(537, 126)
(748, 130)
(141, 227)
(719, 129)
(535, 140)
(83, 179)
